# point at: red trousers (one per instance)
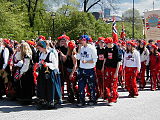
(141, 75)
(155, 79)
(110, 85)
(130, 79)
(100, 80)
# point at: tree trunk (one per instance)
(85, 5)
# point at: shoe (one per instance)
(80, 104)
(50, 107)
(130, 96)
(91, 103)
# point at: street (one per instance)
(145, 107)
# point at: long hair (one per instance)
(132, 49)
(25, 50)
(71, 52)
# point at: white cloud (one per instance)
(142, 6)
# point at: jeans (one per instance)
(86, 76)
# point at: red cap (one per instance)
(158, 41)
(42, 37)
(31, 42)
(109, 40)
(154, 46)
(101, 38)
(71, 45)
(123, 43)
(6, 41)
(143, 42)
(64, 37)
(131, 43)
(90, 40)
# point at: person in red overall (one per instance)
(99, 65)
(132, 65)
(144, 56)
(110, 67)
(155, 67)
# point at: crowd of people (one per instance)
(89, 69)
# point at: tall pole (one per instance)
(53, 30)
(53, 17)
(153, 4)
(133, 22)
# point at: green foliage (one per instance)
(15, 22)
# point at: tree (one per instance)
(66, 9)
(128, 15)
(88, 4)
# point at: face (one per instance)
(101, 44)
(63, 43)
(83, 42)
(152, 49)
(151, 43)
(18, 48)
(141, 45)
(138, 43)
(109, 45)
(129, 46)
(40, 49)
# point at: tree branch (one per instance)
(93, 5)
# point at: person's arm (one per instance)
(94, 57)
(78, 57)
(74, 67)
(147, 56)
(119, 62)
(6, 58)
(25, 66)
(138, 61)
(63, 57)
(117, 69)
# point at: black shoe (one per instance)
(91, 103)
(80, 104)
(51, 106)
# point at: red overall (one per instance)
(130, 79)
(141, 75)
(110, 85)
(100, 78)
(155, 71)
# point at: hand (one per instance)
(42, 62)
(20, 75)
(71, 76)
(102, 70)
(116, 75)
(84, 61)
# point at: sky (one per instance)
(141, 5)
(123, 5)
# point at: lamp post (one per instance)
(143, 20)
(133, 22)
(53, 17)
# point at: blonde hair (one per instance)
(25, 50)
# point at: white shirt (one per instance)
(26, 63)
(132, 60)
(87, 53)
(52, 58)
(6, 57)
(145, 56)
